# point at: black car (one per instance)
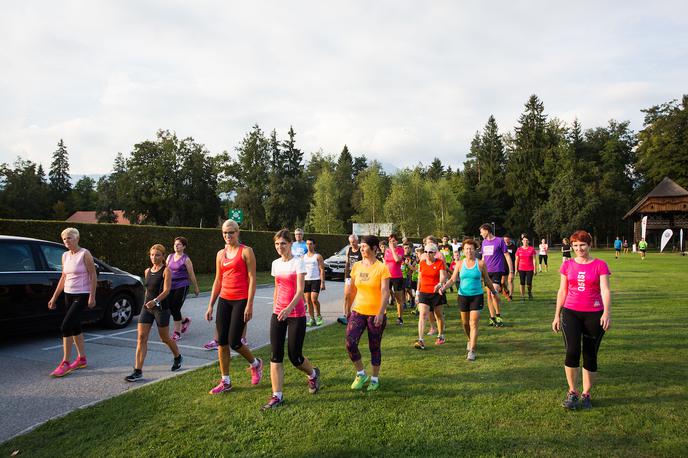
(29, 272)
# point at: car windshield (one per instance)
(342, 252)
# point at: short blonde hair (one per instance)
(70, 231)
(232, 223)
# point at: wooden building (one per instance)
(666, 207)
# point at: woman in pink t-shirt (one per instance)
(78, 281)
(586, 301)
(525, 266)
(288, 313)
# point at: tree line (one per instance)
(543, 177)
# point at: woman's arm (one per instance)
(453, 277)
(384, 289)
(561, 298)
(93, 277)
(516, 261)
(192, 275)
(250, 260)
(166, 285)
(52, 303)
(321, 265)
(606, 319)
(217, 283)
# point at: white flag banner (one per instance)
(666, 236)
(681, 240)
(643, 227)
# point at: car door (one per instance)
(24, 288)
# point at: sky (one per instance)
(399, 81)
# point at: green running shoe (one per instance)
(319, 321)
(359, 382)
(499, 321)
(373, 386)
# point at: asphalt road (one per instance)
(30, 396)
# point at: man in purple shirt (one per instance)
(495, 255)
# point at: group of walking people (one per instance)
(583, 308)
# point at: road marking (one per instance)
(95, 337)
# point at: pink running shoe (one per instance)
(440, 341)
(212, 345)
(62, 369)
(186, 322)
(256, 372)
(244, 341)
(176, 336)
(78, 363)
(222, 387)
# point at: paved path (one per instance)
(30, 397)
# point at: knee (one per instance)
(296, 360)
(236, 345)
(142, 339)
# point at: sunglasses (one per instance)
(431, 252)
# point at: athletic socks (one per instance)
(361, 373)
(255, 362)
(498, 315)
(277, 394)
(226, 379)
(373, 379)
(313, 375)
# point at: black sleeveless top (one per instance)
(353, 257)
(154, 284)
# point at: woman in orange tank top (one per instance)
(431, 274)
(235, 284)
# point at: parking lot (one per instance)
(30, 396)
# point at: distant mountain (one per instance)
(389, 168)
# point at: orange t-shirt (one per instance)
(429, 275)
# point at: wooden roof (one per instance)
(84, 216)
(666, 191)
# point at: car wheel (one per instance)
(119, 312)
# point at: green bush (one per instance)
(126, 247)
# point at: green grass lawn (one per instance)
(205, 281)
(431, 403)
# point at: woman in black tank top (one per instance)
(158, 281)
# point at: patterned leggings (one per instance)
(354, 330)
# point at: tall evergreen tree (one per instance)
(287, 185)
(435, 170)
(524, 168)
(252, 177)
(25, 193)
(344, 177)
(84, 195)
(324, 216)
(359, 165)
(60, 185)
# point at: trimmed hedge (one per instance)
(126, 247)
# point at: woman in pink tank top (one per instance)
(78, 281)
(235, 285)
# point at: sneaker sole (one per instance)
(220, 392)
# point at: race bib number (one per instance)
(488, 250)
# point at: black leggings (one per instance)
(175, 300)
(526, 277)
(230, 322)
(296, 336)
(74, 303)
(585, 325)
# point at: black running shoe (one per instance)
(177, 363)
(134, 376)
(571, 401)
(493, 322)
(400, 322)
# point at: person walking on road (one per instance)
(394, 257)
(525, 266)
(583, 313)
(288, 314)
(471, 274)
(182, 277)
(235, 285)
(432, 274)
(315, 282)
(495, 254)
(158, 281)
(78, 281)
(353, 255)
(370, 287)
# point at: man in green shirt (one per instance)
(642, 246)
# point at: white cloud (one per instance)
(401, 82)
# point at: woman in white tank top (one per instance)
(315, 282)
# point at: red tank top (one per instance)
(234, 276)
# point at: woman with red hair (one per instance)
(583, 314)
